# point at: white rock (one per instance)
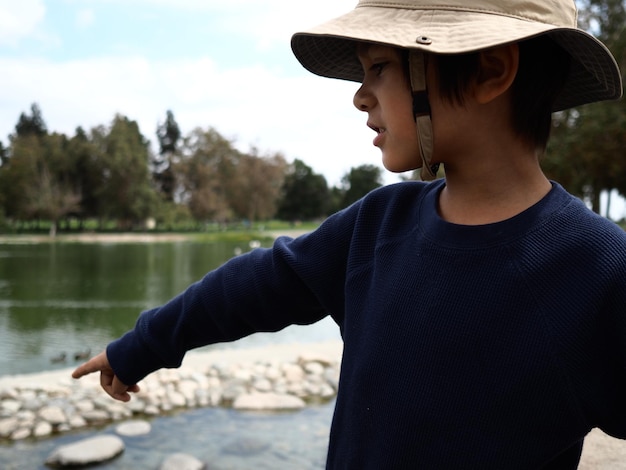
(215, 397)
(177, 399)
(231, 391)
(27, 395)
(310, 357)
(312, 388)
(133, 428)
(64, 427)
(168, 375)
(8, 426)
(32, 404)
(11, 406)
(327, 391)
(293, 372)
(118, 411)
(152, 410)
(21, 433)
(181, 462)
(96, 415)
(188, 388)
(53, 414)
(267, 401)
(262, 385)
(102, 401)
(84, 405)
(296, 388)
(87, 451)
(42, 429)
(8, 393)
(314, 368)
(242, 374)
(77, 421)
(273, 373)
(332, 377)
(201, 380)
(214, 382)
(26, 416)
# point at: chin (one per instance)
(401, 165)
(400, 168)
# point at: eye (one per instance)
(378, 67)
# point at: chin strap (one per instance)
(421, 111)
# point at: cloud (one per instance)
(266, 22)
(19, 19)
(300, 115)
(303, 116)
(85, 18)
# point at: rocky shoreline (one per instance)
(279, 378)
(276, 378)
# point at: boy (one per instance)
(482, 314)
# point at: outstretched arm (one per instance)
(108, 380)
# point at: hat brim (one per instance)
(329, 49)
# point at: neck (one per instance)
(492, 191)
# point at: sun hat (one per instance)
(460, 26)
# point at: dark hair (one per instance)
(543, 68)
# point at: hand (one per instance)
(108, 380)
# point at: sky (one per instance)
(224, 64)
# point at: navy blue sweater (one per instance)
(495, 346)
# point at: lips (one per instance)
(380, 131)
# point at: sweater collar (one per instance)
(452, 235)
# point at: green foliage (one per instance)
(169, 136)
(108, 179)
(31, 125)
(126, 192)
(304, 194)
(360, 181)
(586, 148)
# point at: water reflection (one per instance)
(66, 297)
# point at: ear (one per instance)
(498, 68)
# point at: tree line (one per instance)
(587, 147)
(111, 174)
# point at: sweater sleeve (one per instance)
(297, 281)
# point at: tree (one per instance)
(304, 194)
(207, 166)
(85, 174)
(169, 136)
(585, 150)
(20, 172)
(4, 154)
(50, 199)
(360, 181)
(126, 193)
(254, 190)
(31, 125)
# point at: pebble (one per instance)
(133, 428)
(181, 461)
(40, 409)
(87, 451)
(268, 401)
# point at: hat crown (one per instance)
(560, 13)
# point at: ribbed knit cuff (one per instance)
(131, 359)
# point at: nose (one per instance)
(363, 100)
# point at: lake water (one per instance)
(64, 298)
(67, 297)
